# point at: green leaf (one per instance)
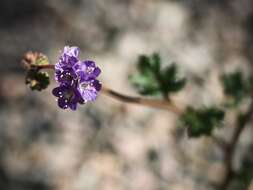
(146, 79)
(244, 176)
(145, 63)
(201, 121)
(250, 84)
(236, 87)
(145, 84)
(177, 85)
(170, 81)
(152, 80)
(156, 62)
(37, 80)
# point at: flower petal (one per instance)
(96, 72)
(96, 84)
(73, 106)
(62, 103)
(71, 51)
(89, 63)
(88, 94)
(77, 79)
(58, 91)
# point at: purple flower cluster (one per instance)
(77, 79)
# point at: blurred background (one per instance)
(109, 145)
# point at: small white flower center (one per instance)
(89, 70)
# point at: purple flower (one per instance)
(66, 76)
(87, 70)
(89, 89)
(68, 58)
(71, 51)
(67, 62)
(77, 79)
(68, 96)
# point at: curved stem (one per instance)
(50, 66)
(230, 150)
(162, 104)
(168, 105)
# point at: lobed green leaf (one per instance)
(236, 87)
(152, 80)
(201, 121)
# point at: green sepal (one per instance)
(37, 80)
(41, 60)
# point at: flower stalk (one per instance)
(229, 153)
(160, 104)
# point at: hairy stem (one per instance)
(168, 105)
(230, 149)
(50, 66)
(161, 104)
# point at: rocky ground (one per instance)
(109, 145)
